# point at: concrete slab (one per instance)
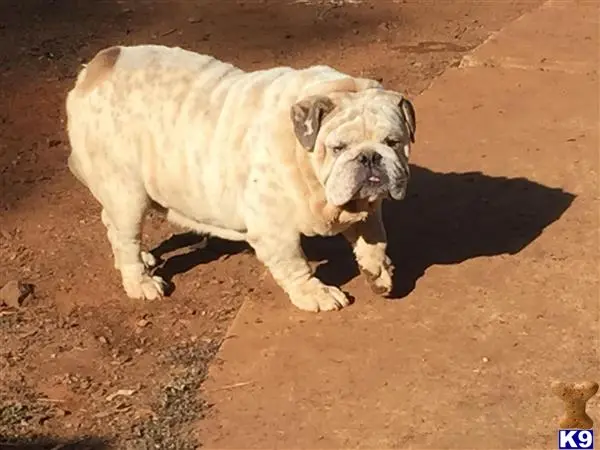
(500, 229)
(561, 35)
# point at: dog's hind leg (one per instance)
(147, 258)
(122, 215)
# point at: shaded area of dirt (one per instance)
(43, 443)
(79, 341)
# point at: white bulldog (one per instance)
(260, 156)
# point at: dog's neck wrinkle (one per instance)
(310, 180)
(328, 216)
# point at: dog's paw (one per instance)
(145, 288)
(380, 278)
(148, 259)
(349, 218)
(319, 297)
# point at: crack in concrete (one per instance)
(568, 67)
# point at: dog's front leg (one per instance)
(369, 242)
(283, 256)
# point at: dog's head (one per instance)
(359, 142)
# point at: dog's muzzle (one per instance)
(369, 172)
(381, 176)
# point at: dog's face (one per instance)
(359, 142)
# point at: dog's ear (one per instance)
(408, 111)
(307, 117)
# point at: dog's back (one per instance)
(130, 111)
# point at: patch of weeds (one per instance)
(155, 434)
(13, 414)
(10, 320)
(196, 354)
(180, 403)
(16, 416)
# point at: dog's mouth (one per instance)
(378, 185)
(374, 176)
(375, 184)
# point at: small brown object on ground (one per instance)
(119, 393)
(575, 396)
(14, 293)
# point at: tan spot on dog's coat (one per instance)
(99, 68)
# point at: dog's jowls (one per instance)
(259, 156)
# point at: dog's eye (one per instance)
(392, 142)
(339, 147)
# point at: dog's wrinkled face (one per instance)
(359, 143)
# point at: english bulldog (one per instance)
(262, 156)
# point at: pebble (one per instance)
(142, 323)
(14, 293)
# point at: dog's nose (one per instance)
(369, 158)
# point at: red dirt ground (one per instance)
(79, 339)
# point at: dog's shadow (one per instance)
(198, 252)
(447, 218)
